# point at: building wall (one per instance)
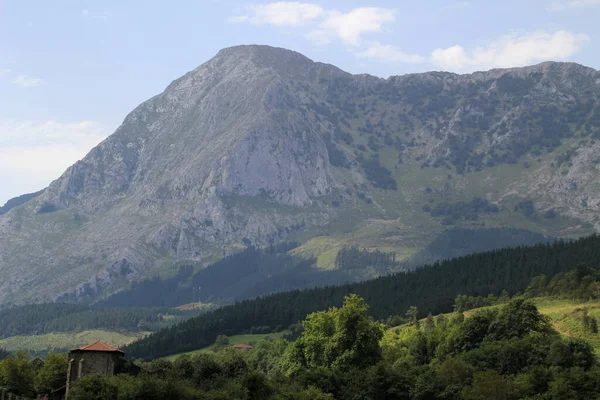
(83, 363)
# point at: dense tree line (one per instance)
(461, 210)
(510, 352)
(458, 242)
(377, 174)
(37, 319)
(246, 274)
(353, 257)
(32, 319)
(507, 353)
(581, 283)
(23, 376)
(259, 271)
(432, 288)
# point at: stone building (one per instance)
(95, 358)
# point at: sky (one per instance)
(70, 71)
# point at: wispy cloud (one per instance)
(32, 154)
(324, 25)
(560, 5)
(349, 27)
(27, 81)
(510, 51)
(353, 28)
(390, 53)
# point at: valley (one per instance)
(273, 227)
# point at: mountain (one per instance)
(17, 201)
(261, 144)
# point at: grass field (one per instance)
(566, 317)
(62, 341)
(237, 339)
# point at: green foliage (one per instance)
(17, 374)
(380, 176)
(506, 353)
(47, 208)
(221, 342)
(464, 303)
(355, 258)
(457, 242)
(39, 319)
(256, 270)
(526, 207)
(93, 387)
(338, 338)
(489, 385)
(462, 210)
(432, 288)
(337, 157)
(517, 319)
(51, 375)
(582, 283)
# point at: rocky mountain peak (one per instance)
(261, 143)
(266, 56)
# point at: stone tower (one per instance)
(95, 358)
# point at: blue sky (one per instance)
(71, 70)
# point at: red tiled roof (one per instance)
(242, 346)
(98, 346)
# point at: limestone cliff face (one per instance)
(252, 146)
(232, 126)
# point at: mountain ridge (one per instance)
(259, 144)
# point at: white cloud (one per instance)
(350, 26)
(327, 25)
(27, 81)
(561, 5)
(32, 154)
(390, 53)
(511, 51)
(282, 13)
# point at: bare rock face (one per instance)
(231, 127)
(246, 147)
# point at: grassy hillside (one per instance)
(433, 288)
(40, 344)
(236, 339)
(566, 316)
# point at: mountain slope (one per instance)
(17, 201)
(433, 288)
(261, 144)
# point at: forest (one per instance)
(149, 305)
(504, 349)
(507, 352)
(214, 283)
(38, 319)
(432, 288)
